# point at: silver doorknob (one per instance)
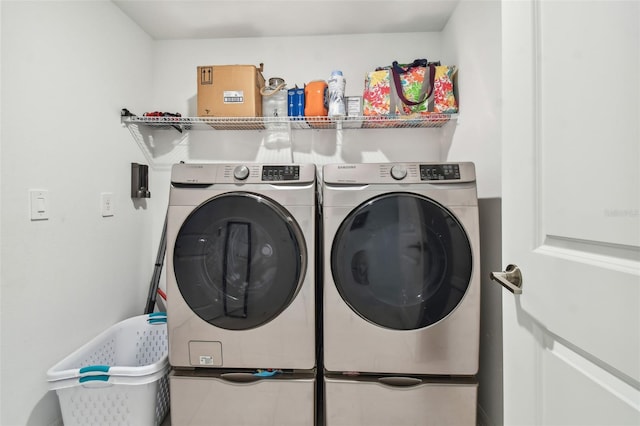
(510, 278)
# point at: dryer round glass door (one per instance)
(239, 260)
(401, 261)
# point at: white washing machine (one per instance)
(401, 268)
(240, 266)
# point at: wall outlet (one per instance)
(106, 204)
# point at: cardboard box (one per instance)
(230, 91)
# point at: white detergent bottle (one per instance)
(337, 84)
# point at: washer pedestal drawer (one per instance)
(208, 398)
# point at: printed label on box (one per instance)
(206, 75)
(206, 360)
(233, 96)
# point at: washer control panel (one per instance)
(242, 174)
(439, 171)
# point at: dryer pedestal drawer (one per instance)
(352, 401)
(209, 399)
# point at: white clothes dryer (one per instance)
(401, 268)
(240, 266)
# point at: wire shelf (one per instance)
(292, 123)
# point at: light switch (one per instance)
(39, 204)
(106, 204)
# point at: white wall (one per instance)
(472, 40)
(298, 60)
(473, 48)
(67, 70)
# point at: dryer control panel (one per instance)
(399, 173)
(279, 173)
(439, 172)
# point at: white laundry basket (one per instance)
(118, 378)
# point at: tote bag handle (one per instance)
(427, 84)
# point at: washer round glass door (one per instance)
(239, 260)
(401, 261)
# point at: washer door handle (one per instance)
(510, 278)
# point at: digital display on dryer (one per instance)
(279, 173)
(439, 172)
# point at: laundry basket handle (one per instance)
(95, 368)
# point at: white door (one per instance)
(571, 192)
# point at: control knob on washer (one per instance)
(241, 172)
(398, 172)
